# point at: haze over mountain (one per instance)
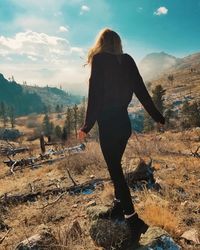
(152, 65)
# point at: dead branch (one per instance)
(53, 202)
(71, 177)
(3, 238)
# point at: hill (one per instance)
(52, 96)
(154, 64)
(182, 80)
(13, 95)
(35, 98)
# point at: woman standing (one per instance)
(113, 80)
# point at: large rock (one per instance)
(9, 134)
(110, 235)
(157, 239)
(115, 234)
(40, 241)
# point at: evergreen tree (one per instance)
(12, 116)
(58, 109)
(58, 132)
(3, 113)
(64, 134)
(47, 126)
(158, 94)
(75, 118)
(190, 114)
(171, 78)
(82, 112)
(68, 121)
(148, 122)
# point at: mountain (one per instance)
(28, 99)
(181, 80)
(52, 96)
(12, 94)
(154, 64)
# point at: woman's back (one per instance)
(115, 79)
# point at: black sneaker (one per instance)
(113, 213)
(137, 227)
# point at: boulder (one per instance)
(115, 234)
(9, 134)
(40, 241)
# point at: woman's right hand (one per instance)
(160, 127)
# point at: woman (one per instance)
(113, 80)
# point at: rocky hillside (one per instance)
(179, 76)
(182, 80)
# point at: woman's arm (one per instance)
(94, 95)
(142, 94)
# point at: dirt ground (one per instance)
(176, 208)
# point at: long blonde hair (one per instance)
(107, 41)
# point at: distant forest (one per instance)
(25, 100)
(12, 94)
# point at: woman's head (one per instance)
(107, 41)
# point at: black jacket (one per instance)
(113, 80)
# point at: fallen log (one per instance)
(42, 159)
(84, 188)
(13, 151)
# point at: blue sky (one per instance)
(46, 41)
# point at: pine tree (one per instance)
(75, 118)
(82, 113)
(68, 121)
(195, 114)
(47, 126)
(3, 113)
(12, 116)
(58, 132)
(158, 94)
(148, 122)
(64, 134)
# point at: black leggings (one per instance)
(114, 132)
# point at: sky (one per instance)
(45, 42)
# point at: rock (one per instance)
(151, 234)
(40, 241)
(74, 231)
(110, 234)
(94, 211)
(191, 235)
(115, 234)
(142, 176)
(157, 239)
(3, 225)
(164, 242)
(92, 176)
(9, 134)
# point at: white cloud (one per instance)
(139, 9)
(161, 11)
(59, 13)
(63, 29)
(84, 8)
(57, 61)
(35, 44)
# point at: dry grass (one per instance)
(175, 209)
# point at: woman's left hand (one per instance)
(81, 134)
